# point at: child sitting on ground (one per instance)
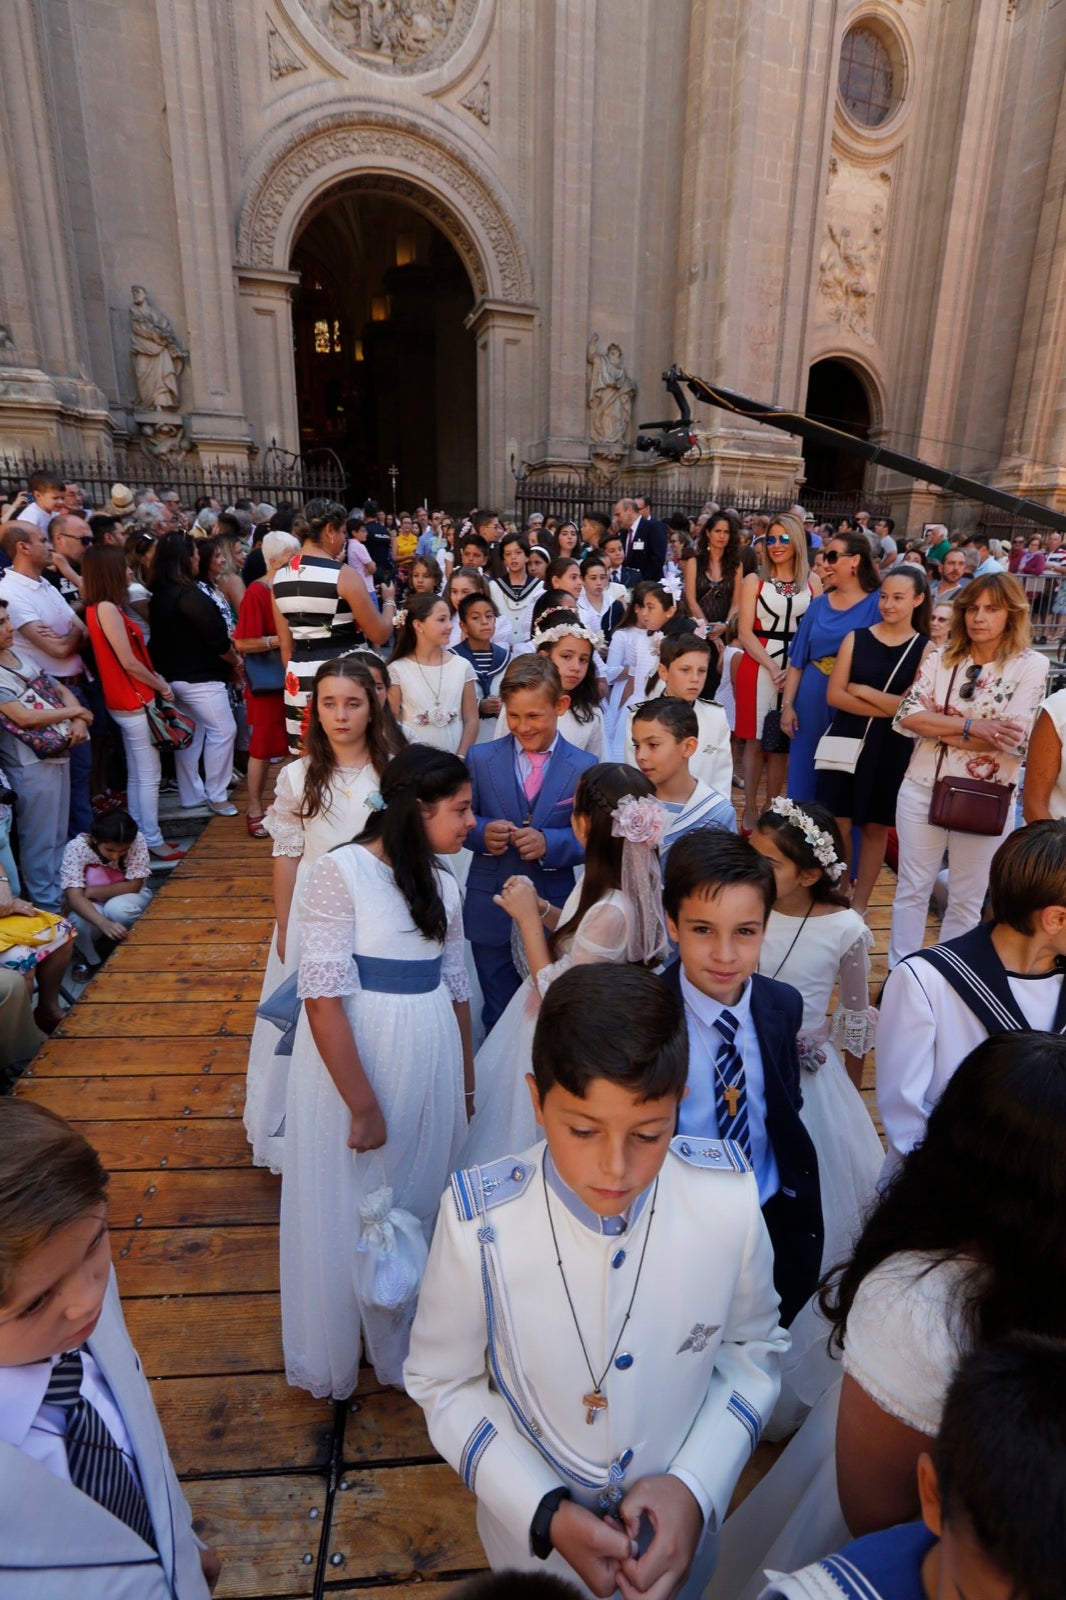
(104, 878)
(666, 736)
(596, 1345)
(993, 1495)
(75, 1408)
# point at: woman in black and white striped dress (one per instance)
(322, 608)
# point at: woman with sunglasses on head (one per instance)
(772, 601)
(850, 602)
(971, 712)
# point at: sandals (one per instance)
(256, 829)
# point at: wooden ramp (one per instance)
(297, 1495)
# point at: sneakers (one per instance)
(222, 808)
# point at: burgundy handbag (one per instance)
(968, 805)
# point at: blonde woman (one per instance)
(773, 600)
(970, 710)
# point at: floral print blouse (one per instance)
(1003, 690)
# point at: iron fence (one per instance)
(569, 499)
(277, 477)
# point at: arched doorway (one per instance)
(836, 395)
(386, 371)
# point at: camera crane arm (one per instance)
(878, 455)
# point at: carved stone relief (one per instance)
(401, 36)
(340, 141)
(610, 401)
(159, 358)
(479, 101)
(280, 58)
(856, 214)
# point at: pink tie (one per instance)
(535, 777)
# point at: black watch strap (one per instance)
(540, 1528)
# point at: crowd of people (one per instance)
(575, 835)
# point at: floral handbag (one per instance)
(40, 694)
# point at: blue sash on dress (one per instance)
(377, 974)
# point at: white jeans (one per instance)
(142, 774)
(921, 851)
(214, 739)
(124, 908)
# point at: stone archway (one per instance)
(841, 393)
(430, 170)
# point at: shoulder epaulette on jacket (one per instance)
(713, 1155)
(478, 1189)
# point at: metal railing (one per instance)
(277, 477)
(569, 498)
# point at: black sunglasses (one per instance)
(969, 688)
(833, 556)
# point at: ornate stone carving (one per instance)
(610, 401)
(400, 36)
(161, 434)
(379, 136)
(281, 59)
(158, 355)
(849, 267)
(479, 101)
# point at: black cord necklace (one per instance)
(792, 946)
(596, 1400)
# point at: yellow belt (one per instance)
(825, 664)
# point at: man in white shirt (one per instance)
(50, 637)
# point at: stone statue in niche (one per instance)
(610, 400)
(158, 355)
(849, 266)
(403, 31)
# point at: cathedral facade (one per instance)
(462, 238)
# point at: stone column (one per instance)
(573, 115)
(269, 371)
(504, 337)
(44, 351)
(191, 45)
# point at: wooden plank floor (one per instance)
(151, 1063)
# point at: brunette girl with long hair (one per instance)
(382, 1066)
(322, 799)
(613, 914)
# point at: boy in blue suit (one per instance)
(744, 1071)
(90, 1507)
(523, 795)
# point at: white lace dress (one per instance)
(904, 1342)
(431, 699)
(830, 950)
(410, 1050)
(305, 841)
(504, 1122)
(633, 654)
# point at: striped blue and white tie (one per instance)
(97, 1465)
(730, 1090)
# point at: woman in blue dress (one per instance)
(850, 602)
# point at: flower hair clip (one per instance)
(820, 842)
(400, 617)
(376, 801)
(639, 821)
(568, 630)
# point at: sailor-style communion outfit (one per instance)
(524, 1306)
(942, 1003)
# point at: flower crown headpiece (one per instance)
(568, 630)
(399, 617)
(820, 842)
(640, 821)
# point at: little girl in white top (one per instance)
(432, 691)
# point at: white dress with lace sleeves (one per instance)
(831, 950)
(504, 1123)
(359, 943)
(302, 839)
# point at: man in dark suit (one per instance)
(523, 797)
(744, 1071)
(645, 540)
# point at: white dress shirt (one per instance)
(39, 1430)
(35, 600)
(698, 1114)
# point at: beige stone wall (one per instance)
(676, 175)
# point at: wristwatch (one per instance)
(540, 1528)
